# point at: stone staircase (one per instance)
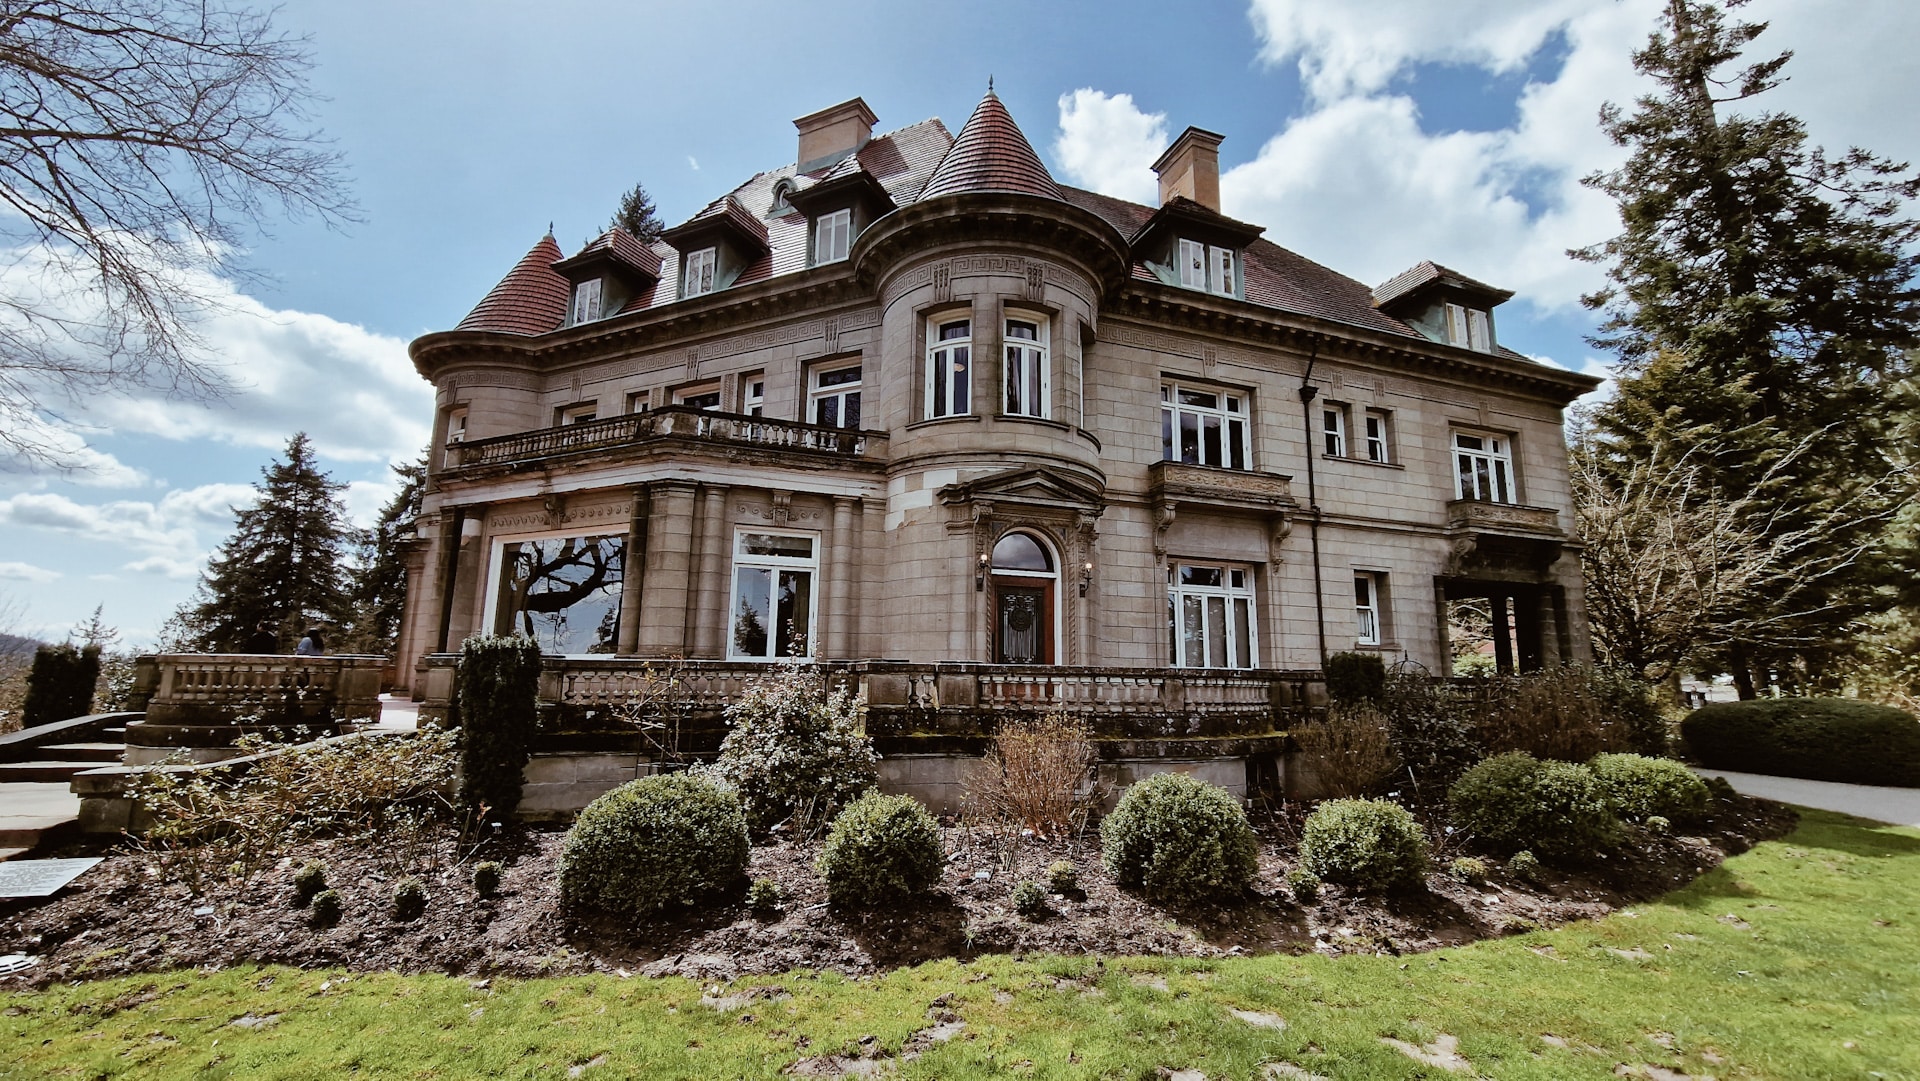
(37, 765)
(58, 762)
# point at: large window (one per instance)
(1207, 267)
(563, 592)
(835, 397)
(1210, 616)
(832, 234)
(772, 596)
(699, 272)
(1366, 609)
(949, 353)
(1026, 372)
(1483, 467)
(586, 301)
(1203, 427)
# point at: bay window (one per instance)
(949, 352)
(1026, 374)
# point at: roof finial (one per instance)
(989, 84)
(549, 228)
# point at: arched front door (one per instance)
(1025, 601)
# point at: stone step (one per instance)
(8, 853)
(43, 771)
(81, 752)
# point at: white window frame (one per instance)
(949, 375)
(837, 393)
(1026, 372)
(775, 565)
(496, 565)
(579, 413)
(1377, 433)
(1237, 635)
(832, 237)
(683, 395)
(1483, 473)
(1470, 327)
(1232, 418)
(1333, 429)
(701, 273)
(456, 433)
(1367, 628)
(753, 394)
(639, 401)
(1206, 267)
(586, 301)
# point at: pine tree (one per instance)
(637, 216)
(1761, 302)
(380, 571)
(284, 565)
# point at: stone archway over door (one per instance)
(1026, 605)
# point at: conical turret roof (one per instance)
(531, 299)
(991, 154)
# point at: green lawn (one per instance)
(1800, 959)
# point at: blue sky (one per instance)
(1365, 136)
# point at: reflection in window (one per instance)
(948, 384)
(772, 610)
(1210, 616)
(836, 398)
(1482, 468)
(1026, 372)
(563, 592)
(1203, 427)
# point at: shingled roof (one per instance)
(1421, 275)
(531, 299)
(991, 154)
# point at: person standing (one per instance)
(311, 645)
(264, 639)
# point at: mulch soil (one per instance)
(132, 914)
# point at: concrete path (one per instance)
(1900, 806)
(28, 810)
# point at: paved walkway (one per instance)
(1900, 806)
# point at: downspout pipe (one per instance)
(1308, 392)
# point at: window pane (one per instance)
(827, 411)
(1482, 485)
(937, 406)
(752, 611)
(1190, 438)
(1500, 494)
(1210, 449)
(1017, 329)
(1192, 633)
(1015, 382)
(1363, 591)
(1242, 633)
(1238, 579)
(1173, 631)
(1199, 576)
(1019, 552)
(852, 409)
(839, 377)
(774, 544)
(792, 613)
(1204, 401)
(949, 331)
(1217, 632)
(1166, 436)
(563, 592)
(961, 399)
(1036, 399)
(1237, 439)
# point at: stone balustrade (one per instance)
(671, 423)
(198, 704)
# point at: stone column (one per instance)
(668, 568)
(632, 570)
(1526, 626)
(709, 601)
(840, 584)
(1502, 633)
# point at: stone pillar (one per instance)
(709, 601)
(632, 570)
(840, 582)
(1527, 629)
(1502, 633)
(668, 569)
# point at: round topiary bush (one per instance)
(1822, 739)
(881, 848)
(1514, 801)
(1639, 788)
(654, 843)
(1369, 844)
(1177, 838)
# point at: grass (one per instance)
(1800, 959)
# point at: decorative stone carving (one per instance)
(1237, 489)
(1163, 515)
(1036, 283)
(831, 332)
(943, 284)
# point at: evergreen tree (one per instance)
(636, 215)
(380, 571)
(284, 565)
(1761, 302)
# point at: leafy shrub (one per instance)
(796, 750)
(1063, 876)
(1304, 884)
(495, 703)
(327, 907)
(1659, 824)
(310, 879)
(1366, 844)
(1431, 723)
(486, 878)
(1634, 707)
(61, 684)
(1355, 678)
(1638, 788)
(1035, 775)
(1469, 869)
(653, 844)
(1525, 866)
(1721, 789)
(763, 897)
(1823, 739)
(1514, 801)
(1569, 713)
(881, 848)
(1029, 899)
(1178, 838)
(409, 898)
(1351, 752)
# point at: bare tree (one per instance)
(141, 142)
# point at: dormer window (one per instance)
(1470, 327)
(832, 235)
(1207, 267)
(698, 275)
(586, 301)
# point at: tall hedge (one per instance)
(495, 704)
(1353, 678)
(1823, 739)
(60, 686)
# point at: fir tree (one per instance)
(636, 215)
(1761, 301)
(284, 565)
(380, 571)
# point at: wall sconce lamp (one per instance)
(980, 575)
(1086, 577)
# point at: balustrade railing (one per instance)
(210, 687)
(681, 422)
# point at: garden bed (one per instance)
(132, 913)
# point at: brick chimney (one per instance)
(833, 133)
(1191, 167)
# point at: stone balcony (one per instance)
(673, 429)
(1238, 489)
(1502, 540)
(198, 704)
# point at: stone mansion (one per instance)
(909, 399)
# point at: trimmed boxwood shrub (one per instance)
(1369, 844)
(1353, 678)
(496, 691)
(1177, 838)
(881, 848)
(1640, 788)
(655, 843)
(1823, 739)
(60, 684)
(1515, 801)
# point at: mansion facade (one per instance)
(911, 399)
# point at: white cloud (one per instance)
(27, 572)
(693, 163)
(177, 569)
(1107, 144)
(170, 531)
(83, 464)
(366, 498)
